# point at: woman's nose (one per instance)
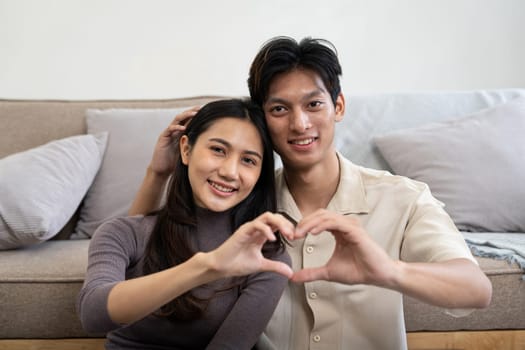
(229, 168)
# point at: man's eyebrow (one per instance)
(308, 96)
(227, 144)
(276, 100)
(314, 93)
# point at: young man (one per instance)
(363, 237)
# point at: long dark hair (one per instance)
(170, 240)
(283, 54)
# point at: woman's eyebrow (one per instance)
(253, 153)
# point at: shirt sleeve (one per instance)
(109, 256)
(431, 235)
(252, 311)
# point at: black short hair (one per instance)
(283, 54)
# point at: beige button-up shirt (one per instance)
(402, 217)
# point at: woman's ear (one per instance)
(185, 149)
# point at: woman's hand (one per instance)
(163, 160)
(241, 254)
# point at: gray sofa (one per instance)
(39, 283)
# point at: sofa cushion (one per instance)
(474, 164)
(504, 311)
(57, 119)
(41, 188)
(132, 137)
(38, 290)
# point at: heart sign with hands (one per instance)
(241, 253)
(356, 259)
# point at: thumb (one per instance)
(277, 266)
(311, 274)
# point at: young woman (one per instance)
(201, 272)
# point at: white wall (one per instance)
(160, 48)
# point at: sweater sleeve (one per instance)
(252, 311)
(110, 254)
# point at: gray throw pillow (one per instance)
(474, 164)
(132, 137)
(41, 188)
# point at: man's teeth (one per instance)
(221, 188)
(304, 142)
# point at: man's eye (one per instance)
(315, 104)
(277, 109)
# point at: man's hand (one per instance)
(163, 160)
(161, 166)
(356, 258)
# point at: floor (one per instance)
(481, 340)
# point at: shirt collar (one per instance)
(349, 198)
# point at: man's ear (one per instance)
(185, 149)
(339, 107)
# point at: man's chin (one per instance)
(300, 162)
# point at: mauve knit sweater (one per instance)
(234, 319)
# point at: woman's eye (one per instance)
(250, 161)
(217, 149)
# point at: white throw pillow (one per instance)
(41, 188)
(372, 114)
(132, 137)
(474, 164)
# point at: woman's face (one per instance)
(224, 164)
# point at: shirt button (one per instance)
(313, 295)
(317, 338)
(309, 249)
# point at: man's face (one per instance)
(301, 118)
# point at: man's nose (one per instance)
(300, 121)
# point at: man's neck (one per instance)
(313, 188)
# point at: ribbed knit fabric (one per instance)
(234, 318)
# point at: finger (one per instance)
(171, 130)
(257, 231)
(316, 216)
(278, 222)
(183, 117)
(286, 227)
(176, 127)
(264, 230)
(312, 224)
(277, 266)
(196, 108)
(332, 222)
(310, 274)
